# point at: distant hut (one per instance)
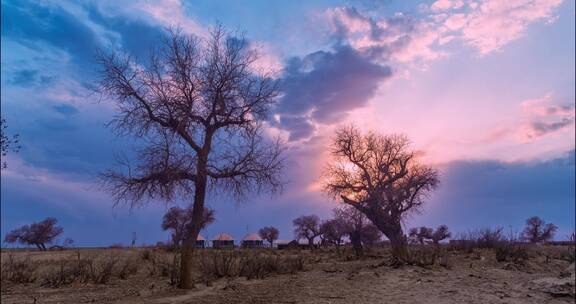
(223, 240)
(252, 240)
(200, 242)
(282, 245)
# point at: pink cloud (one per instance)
(442, 5)
(495, 23)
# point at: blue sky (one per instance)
(485, 88)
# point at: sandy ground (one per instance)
(469, 278)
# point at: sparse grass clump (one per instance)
(252, 264)
(18, 270)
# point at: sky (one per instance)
(484, 89)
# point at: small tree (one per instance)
(332, 232)
(354, 225)
(307, 227)
(179, 221)
(7, 143)
(370, 235)
(38, 234)
(420, 235)
(441, 233)
(537, 231)
(379, 176)
(269, 234)
(201, 107)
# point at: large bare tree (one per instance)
(381, 177)
(537, 230)
(200, 106)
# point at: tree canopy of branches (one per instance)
(420, 235)
(179, 221)
(37, 234)
(332, 232)
(537, 231)
(357, 228)
(200, 107)
(379, 176)
(7, 143)
(269, 234)
(307, 227)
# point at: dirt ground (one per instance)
(328, 277)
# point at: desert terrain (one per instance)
(324, 275)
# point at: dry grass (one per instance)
(141, 275)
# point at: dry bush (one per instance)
(129, 267)
(252, 264)
(145, 255)
(85, 270)
(170, 269)
(511, 251)
(18, 270)
(422, 255)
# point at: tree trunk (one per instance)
(356, 240)
(393, 231)
(399, 248)
(189, 242)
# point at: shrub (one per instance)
(249, 264)
(511, 251)
(128, 268)
(171, 269)
(421, 255)
(18, 271)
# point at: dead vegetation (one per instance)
(138, 274)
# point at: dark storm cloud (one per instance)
(65, 109)
(324, 86)
(475, 194)
(30, 23)
(538, 129)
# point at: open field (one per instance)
(299, 276)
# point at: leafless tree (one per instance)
(269, 234)
(420, 235)
(370, 235)
(332, 232)
(307, 227)
(7, 143)
(355, 223)
(38, 234)
(537, 231)
(179, 221)
(380, 177)
(200, 107)
(441, 233)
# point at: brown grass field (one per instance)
(147, 275)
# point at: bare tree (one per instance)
(537, 231)
(7, 143)
(370, 235)
(180, 222)
(441, 233)
(307, 227)
(269, 234)
(200, 108)
(38, 234)
(354, 223)
(420, 235)
(333, 231)
(379, 176)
